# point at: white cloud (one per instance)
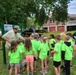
(72, 7)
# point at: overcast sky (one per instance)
(72, 7)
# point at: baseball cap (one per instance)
(16, 27)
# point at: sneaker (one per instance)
(31, 73)
(41, 72)
(45, 71)
(18, 73)
(34, 70)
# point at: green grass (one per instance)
(5, 71)
(56, 33)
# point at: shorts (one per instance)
(22, 62)
(56, 64)
(35, 59)
(62, 55)
(29, 58)
(14, 64)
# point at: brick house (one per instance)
(68, 26)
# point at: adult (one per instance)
(35, 33)
(12, 35)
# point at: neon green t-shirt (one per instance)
(47, 44)
(15, 56)
(20, 47)
(57, 54)
(30, 52)
(71, 41)
(35, 44)
(26, 52)
(43, 50)
(52, 43)
(68, 51)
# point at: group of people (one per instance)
(28, 50)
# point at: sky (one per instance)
(72, 7)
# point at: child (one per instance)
(14, 57)
(35, 44)
(57, 55)
(67, 47)
(29, 51)
(62, 37)
(43, 55)
(69, 35)
(70, 38)
(20, 46)
(52, 43)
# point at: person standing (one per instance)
(57, 55)
(12, 35)
(68, 48)
(30, 54)
(43, 55)
(14, 57)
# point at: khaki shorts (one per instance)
(14, 64)
(22, 62)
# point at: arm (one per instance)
(53, 51)
(6, 36)
(6, 39)
(21, 37)
(35, 55)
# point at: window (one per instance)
(52, 21)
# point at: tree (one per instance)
(17, 11)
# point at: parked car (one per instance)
(29, 31)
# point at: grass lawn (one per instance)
(56, 33)
(5, 71)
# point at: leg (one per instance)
(11, 69)
(42, 65)
(31, 65)
(62, 56)
(45, 64)
(16, 70)
(59, 70)
(34, 64)
(28, 64)
(67, 67)
(56, 70)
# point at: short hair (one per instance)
(69, 34)
(52, 35)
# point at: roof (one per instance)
(72, 15)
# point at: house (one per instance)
(70, 25)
